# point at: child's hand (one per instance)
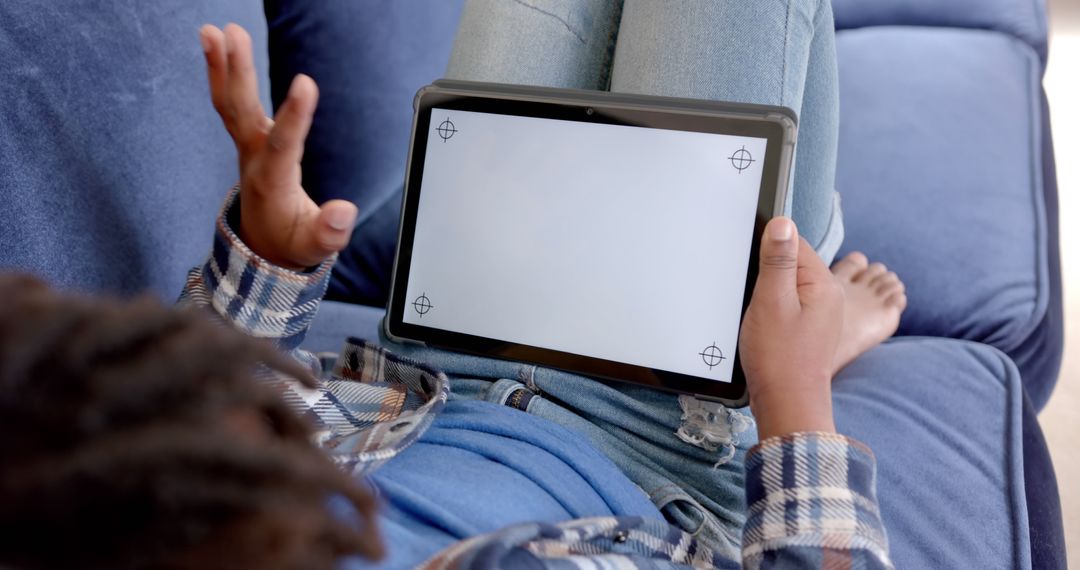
(278, 220)
(790, 334)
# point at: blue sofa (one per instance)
(112, 166)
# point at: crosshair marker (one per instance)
(446, 129)
(741, 159)
(422, 305)
(712, 356)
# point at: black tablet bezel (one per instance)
(774, 124)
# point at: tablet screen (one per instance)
(617, 242)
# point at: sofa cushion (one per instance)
(944, 420)
(113, 162)
(940, 170)
(1025, 19)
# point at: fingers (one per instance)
(213, 43)
(331, 230)
(234, 84)
(243, 85)
(779, 264)
(291, 127)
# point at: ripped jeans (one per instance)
(685, 454)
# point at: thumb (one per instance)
(331, 229)
(776, 282)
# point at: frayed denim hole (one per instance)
(711, 426)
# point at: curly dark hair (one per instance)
(136, 436)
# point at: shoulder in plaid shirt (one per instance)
(811, 496)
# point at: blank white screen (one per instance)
(623, 243)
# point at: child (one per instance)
(139, 438)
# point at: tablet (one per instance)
(609, 235)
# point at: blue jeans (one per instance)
(686, 455)
(698, 487)
(776, 52)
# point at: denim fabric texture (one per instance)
(552, 43)
(774, 52)
(509, 468)
(634, 427)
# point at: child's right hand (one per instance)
(278, 221)
(790, 335)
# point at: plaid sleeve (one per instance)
(260, 298)
(812, 503)
(623, 543)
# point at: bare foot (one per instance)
(873, 300)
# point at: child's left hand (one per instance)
(278, 221)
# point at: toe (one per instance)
(898, 300)
(888, 288)
(867, 275)
(850, 265)
(884, 279)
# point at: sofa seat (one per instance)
(940, 172)
(944, 419)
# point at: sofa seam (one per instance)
(1016, 35)
(1034, 144)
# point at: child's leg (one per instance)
(778, 52)
(551, 43)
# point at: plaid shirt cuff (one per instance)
(260, 298)
(812, 501)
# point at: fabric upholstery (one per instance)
(1039, 358)
(1024, 19)
(946, 188)
(1046, 530)
(944, 419)
(113, 162)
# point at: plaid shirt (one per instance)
(811, 496)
